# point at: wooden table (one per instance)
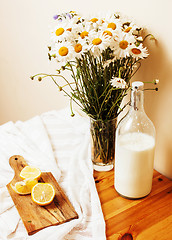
(149, 218)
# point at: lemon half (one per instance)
(24, 187)
(30, 172)
(43, 193)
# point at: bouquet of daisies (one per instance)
(101, 53)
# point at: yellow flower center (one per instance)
(78, 48)
(106, 32)
(136, 51)
(112, 25)
(59, 31)
(63, 51)
(84, 34)
(123, 44)
(94, 20)
(96, 41)
(128, 29)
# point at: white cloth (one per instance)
(58, 143)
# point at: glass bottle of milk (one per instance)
(134, 150)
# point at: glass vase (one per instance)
(103, 143)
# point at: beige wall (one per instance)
(24, 35)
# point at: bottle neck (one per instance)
(137, 100)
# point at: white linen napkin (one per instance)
(58, 143)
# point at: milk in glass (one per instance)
(134, 149)
(134, 164)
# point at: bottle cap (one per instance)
(137, 85)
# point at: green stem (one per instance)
(54, 75)
(148, 36)
(51, 76)
(72, 113)
(105, 99)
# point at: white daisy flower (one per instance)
(83, 29)
(61, 32)
(64, 31)
(112, 23)
(98, 42)
(138, 52)
(118, 83)
(96, 20)
(80, 47)
(64, 52)
(130, 28)
(109, 31)
(122, 44)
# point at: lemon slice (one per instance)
(30, 172)
(24, 187)
(43, 193)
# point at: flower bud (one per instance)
(152, 37)
(49, 56)
(156, 81)
(39, 79)
(55, 17)
(32, 78)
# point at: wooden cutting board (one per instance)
(36, 217)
